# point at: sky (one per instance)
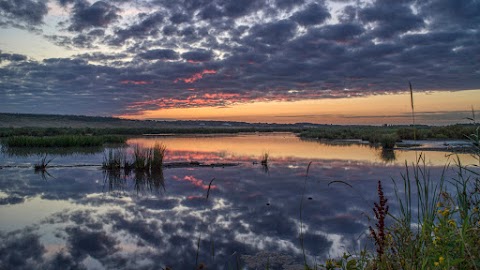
(276, 61)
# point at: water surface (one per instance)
(82, 217)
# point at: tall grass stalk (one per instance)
(302, 244)
(413, 111)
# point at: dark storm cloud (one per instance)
(86, 16)
(312, 14)
(23, 13)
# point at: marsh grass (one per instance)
(146, 163)
(62, 141)
(41, 167)
(388, 141)
(437, 225)
(264, 158)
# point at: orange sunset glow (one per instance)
(377, 109)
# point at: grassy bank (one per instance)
(436, 225)
(9, 132)
(386, 135)
(62, 141)
(435, 228)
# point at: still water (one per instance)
(84, 218)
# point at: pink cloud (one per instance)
(196, 76)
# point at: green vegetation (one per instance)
(54, 131)
(437, 225)
(438, 230)
(62, 141)
(388, 135)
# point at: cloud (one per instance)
(13, 57)
(23, 13)
(85, 16)
(452, 14)
(159, 54)
(198, 56)
(313, 13)
(20, 250)
(260, 50)
(147, 26)
(274, 33)
(390, 19)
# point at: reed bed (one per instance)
(62, 141)
(437, 225)
(145, 163)
(142, 159)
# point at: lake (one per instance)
(76, 216)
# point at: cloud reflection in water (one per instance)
(125, 221)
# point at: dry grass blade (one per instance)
(209, 186)
(308, 168)
(413, 110)
(340, 181)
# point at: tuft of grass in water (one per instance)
(388, 141)
(41, 167)
(114, 159)
(146, 163)
(264, 158)
(157, 156)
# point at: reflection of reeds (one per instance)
(114, 159)
(41, 167)
(302, 244)
(147, 165)
(264, 160)
(388, 155)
